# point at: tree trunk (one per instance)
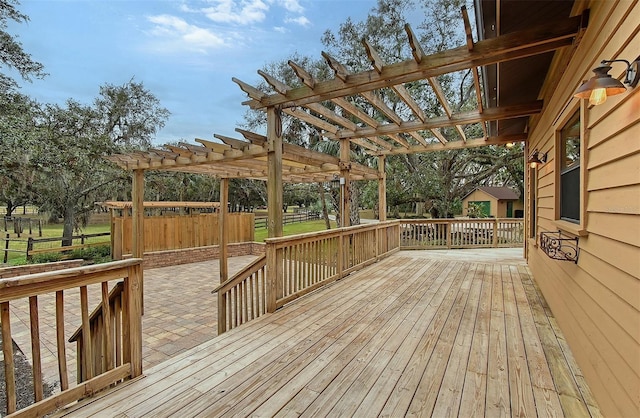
(325, 211)
(354, 203)
(9, 209)
(67, 232)
(354, 214)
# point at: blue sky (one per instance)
(185, 52)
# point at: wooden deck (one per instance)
(423, 333)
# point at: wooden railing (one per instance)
(242, 297)
(106, 334)
(461, 233)
(302, 263)
(297, 265)
(52, 286)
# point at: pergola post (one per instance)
(382, 189)
(345, 168)
(274, 181)
(137, 199)
(274, 207)
(223, 230)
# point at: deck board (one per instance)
(415, 334)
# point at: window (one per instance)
(570, 170)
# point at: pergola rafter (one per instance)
(544, 38)
(236, 158)
(392, 133)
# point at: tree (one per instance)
(177, 186)
(69, 163)
(12, 55)
(16, 113)
(16, 151)
(131, 114)
(75, 138)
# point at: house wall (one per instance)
(498, 207)
(596, 301)
(480, 196)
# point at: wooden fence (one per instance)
(425, 234)
(262, 222)
(179, 231)
(79, 242)
(52, 286)
(296, 265)
(28, 245)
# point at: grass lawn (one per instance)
(48, 231)
(297, 228)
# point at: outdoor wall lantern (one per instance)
(510, 144)
(601, 85)
(537, 158)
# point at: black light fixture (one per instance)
(537, 158)
(601, 85)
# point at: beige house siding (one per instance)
(596, 301)
(498, 207)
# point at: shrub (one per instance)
(93, 255)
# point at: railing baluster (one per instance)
(7, 349)
(117, 315)
(62, 353)
(38, 392)
(106, 314)
(87, 370)
(245, 301)
(289, 278)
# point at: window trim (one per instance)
(574, 228)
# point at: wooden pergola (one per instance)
(331, 107)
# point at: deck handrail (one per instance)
(236, 278)
(450, 233)
(54, 283)
(302, 263)
(242, 297)
(105, 353)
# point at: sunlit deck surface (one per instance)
(428, 333)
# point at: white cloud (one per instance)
(280, 29)
(300, 20)
(292, 6)
(242, 12)
(177, 33)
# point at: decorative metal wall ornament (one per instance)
(559, 248)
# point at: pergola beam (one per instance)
(471, 143)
